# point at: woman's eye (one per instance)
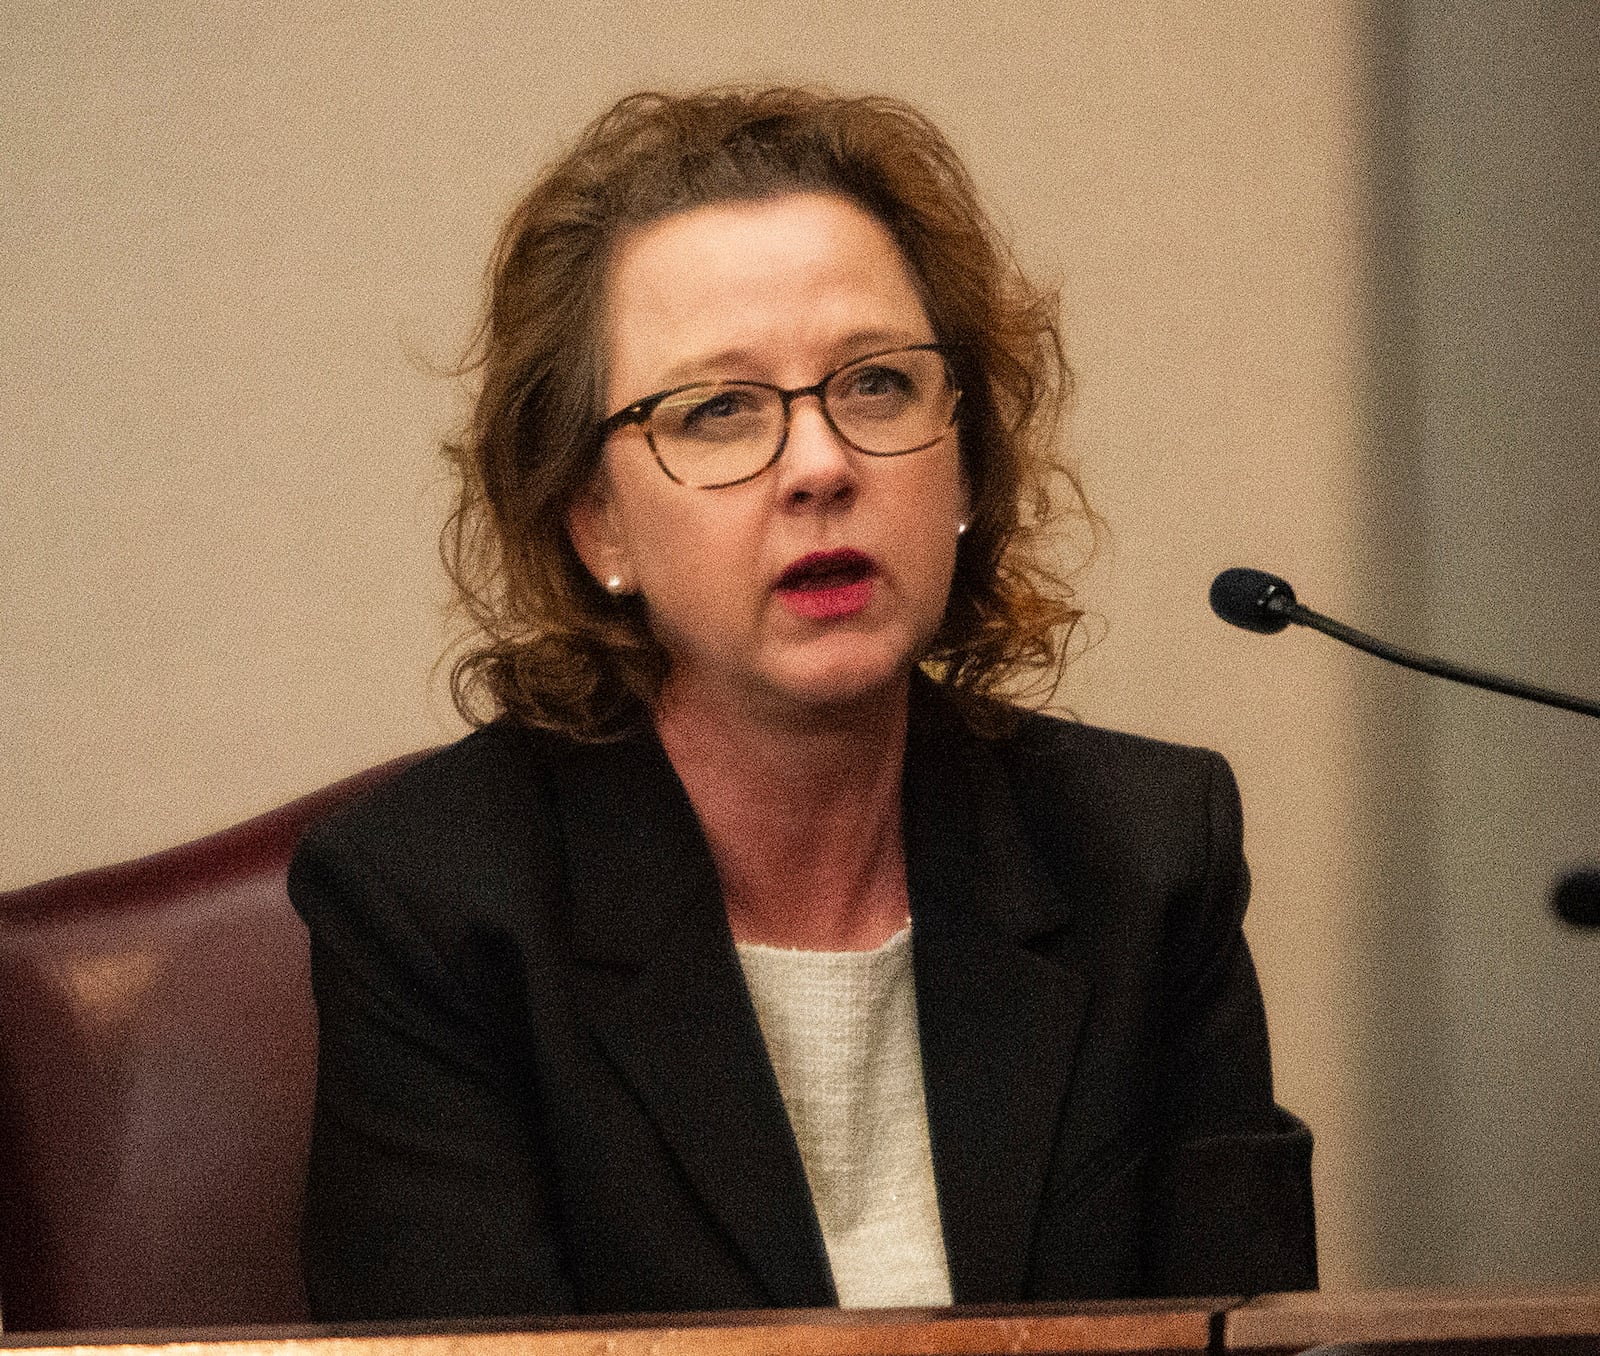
(720, 406)
(714, 414)
(879, 381)
(877, 392)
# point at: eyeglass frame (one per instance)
(640, 410)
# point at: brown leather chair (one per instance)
(157, 1057)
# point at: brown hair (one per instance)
(547, 644)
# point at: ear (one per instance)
(596, 535)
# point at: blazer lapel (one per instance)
(667, 1000)
(999, 1022)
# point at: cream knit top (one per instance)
(841, 1031)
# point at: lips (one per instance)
(826, 570)
(828, 584)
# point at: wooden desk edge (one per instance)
(1254, 1327)
(1174, 1326)
(1294, 1322)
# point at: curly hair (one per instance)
(545, 644)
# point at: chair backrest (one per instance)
(157, 1061)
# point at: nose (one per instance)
(818, 469)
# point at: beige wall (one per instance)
(1480, 1045)
(237, 236)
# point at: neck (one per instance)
(803, 817)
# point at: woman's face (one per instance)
(820, 581)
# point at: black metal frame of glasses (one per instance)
(639, 411)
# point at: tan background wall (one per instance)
(1481, 1039)
(236, 236)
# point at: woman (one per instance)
(755, 953)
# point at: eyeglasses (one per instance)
(715, 434)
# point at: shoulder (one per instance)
(491, 763)
(1103, 805)
(464, 791)
(454, 842)
(1052, 756)
(1073, 783)
(1052, 765)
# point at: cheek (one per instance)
(928, 511)
(654, 521)
(669, 533)
(944, 542)
(688, 558)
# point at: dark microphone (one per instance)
(1253, 599)
(1576, 898)
(1262, 602)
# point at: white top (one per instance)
(841, 1031)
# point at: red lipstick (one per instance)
(828, 584)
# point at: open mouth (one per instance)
(823, 570)
(828, 584)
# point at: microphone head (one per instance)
(1253, 599)
(1577, 898)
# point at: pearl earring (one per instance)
(961, 528)
(614, 584)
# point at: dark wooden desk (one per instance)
(1155, 1326)
(1397, 1322)
(1449, 1322)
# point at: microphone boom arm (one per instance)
(1298, 613)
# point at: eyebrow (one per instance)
(860, 342)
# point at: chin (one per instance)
(849, 683)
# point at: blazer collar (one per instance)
(1000, 1020)
(667, 999)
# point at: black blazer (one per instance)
(542, 1087)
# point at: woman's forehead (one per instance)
(802, 277)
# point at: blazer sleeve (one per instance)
(1231, 1182)
(424, 1195)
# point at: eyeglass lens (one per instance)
(721, 433)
